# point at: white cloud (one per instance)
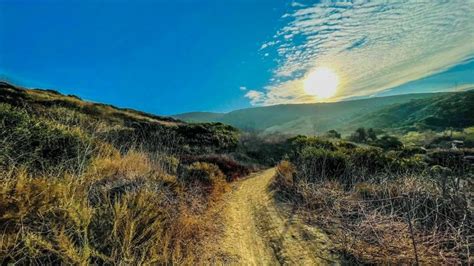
(256, 97)
(243, 88)
(296, 4)
(372, 47)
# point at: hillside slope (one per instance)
(201, 116)
(391, 112)
(125, 126)
(438, 112)
(83, 183)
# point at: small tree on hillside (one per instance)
(333, 134)
(360, 135)
(371, 135)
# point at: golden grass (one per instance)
(53, 220)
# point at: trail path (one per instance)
(258, 232)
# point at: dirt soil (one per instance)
(258, 231)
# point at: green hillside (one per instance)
(307, 118)
(438, 112)
(201, 117)
(126, 127)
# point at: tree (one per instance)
(371, 135)
(333, 134)
(359, 135)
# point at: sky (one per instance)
(169, 57)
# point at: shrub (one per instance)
(345, 145)
(446, 158)
(369, 161)
(318, 164)
(261, 149)
(39, 145)
(285, 173)
(333, 134)
(168, 163)
(204, 179)
(205, 173)
(298, 143)
(388, 143)
(451, 159)
(231, 168)
(360, 135)
(214, 137)
(410, 151)
(47, 220)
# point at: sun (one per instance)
(321, 82)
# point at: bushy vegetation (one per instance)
(380, 205)
(122, 127)
(438, 112)
(84, 183)
(230, 167)
(40, 145)
(258, 149)
(121, 210)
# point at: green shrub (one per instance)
(205, 137)
(315, 164)
(262, 149)
(360, 135)
(369, 160)
(346, 145)
(39, 145)
(298, 143)
(410, 151)
(333, 134)
(388, 143)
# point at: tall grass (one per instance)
(72, 191)
(380, 208)
(122, 210)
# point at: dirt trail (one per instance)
(258, 232)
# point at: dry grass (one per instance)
(122, 210)
(370, 222)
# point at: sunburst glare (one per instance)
(321, 82)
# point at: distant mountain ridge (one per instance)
(200, 116)
(390, 112)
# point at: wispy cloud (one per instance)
(243, 88)
(372, 47)
(255, 97)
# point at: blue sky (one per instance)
(169, 57)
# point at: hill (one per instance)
(126, 126)
(201, 116)
(87, 183)
(451, 110)
(401, 111)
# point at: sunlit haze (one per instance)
(322, 83)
